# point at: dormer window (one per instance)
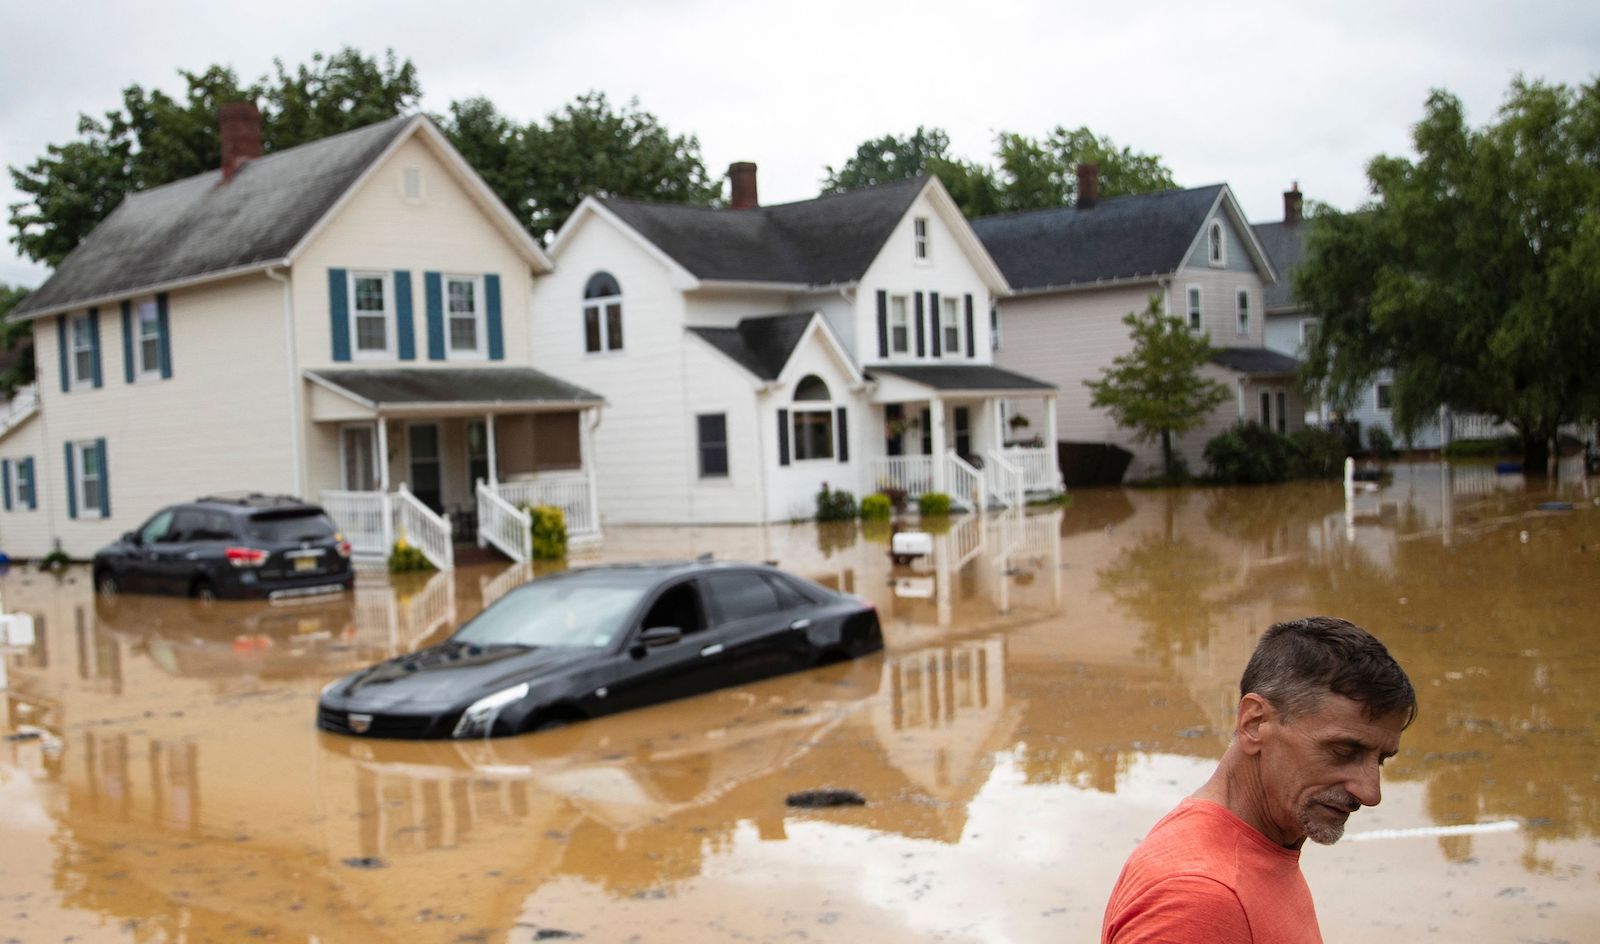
(1216, 247)
(602, 314)
(919, 237)
(813, 419)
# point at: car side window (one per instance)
(789, 596)
(218, 527)
(187, 525)
(677, 606)
(740, 595)
(157, 528)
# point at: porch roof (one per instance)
(965, 378)
(1256, 361)
(436, 391)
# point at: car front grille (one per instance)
(382, 726)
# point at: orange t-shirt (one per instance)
(1203, 874)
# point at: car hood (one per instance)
(447, 675)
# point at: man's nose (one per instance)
(1365, 786)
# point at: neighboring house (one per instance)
(346, 320)
(1076, 271)
(749, 355)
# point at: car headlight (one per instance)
(478, 719)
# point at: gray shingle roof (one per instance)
(1120, 238)
(761, 344)
(199, 226)
(823, 241)
(963, 377)
(1256, 361)
(1286, 245)
(486, 385)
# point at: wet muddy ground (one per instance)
(1050, 687)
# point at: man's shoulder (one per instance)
(1198, 837)
(1175, 907)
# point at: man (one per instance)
(1322, 706)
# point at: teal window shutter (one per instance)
(432, 286)
(72, 482)
(5, 480)
(166, 336)
(339, 313)
(33, 484)
(105, 479)
(497, 344)
(94, 345)
(403, 326)
(61, 345)
(127, 341)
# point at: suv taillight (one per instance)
(344, 545)
(245, 556)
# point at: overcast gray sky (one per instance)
(1257, 94)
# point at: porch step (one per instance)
(469, 554)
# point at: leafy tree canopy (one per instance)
(1029, 174)
(1474, 274)
(1156, 389)
(155, 138)
(14, 337)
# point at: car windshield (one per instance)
(306, 525)
(563, 612)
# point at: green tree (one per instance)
(926, 151)
(155, 138)
(497, 148)
(1156, 388)
(1474, 274)
(591, 149)
(15, 338)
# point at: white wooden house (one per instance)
(346, 320)
(749, 355)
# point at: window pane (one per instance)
(613, 327)
(91, 460)
(371, 334)
(461, 296)
(813, 434)
(149, 354)
(812, 387)
(463, 334)
(91, 493)
(712, 430)
(740, 596)
(369, 294)
(83, 365)
(591, 329)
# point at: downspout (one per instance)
(296, 418)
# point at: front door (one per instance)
(357, 458)
(477, 453)
(427, 474)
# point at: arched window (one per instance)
(1216, 250)
(813, 422)
(602, 314)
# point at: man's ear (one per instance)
(1254, 713)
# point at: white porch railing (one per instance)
(1003, 480)
(430, 533)
(964, 483)
(504, 525)
(427, 612)
(569, 491)
(965, 541)
(365, 519)
(1039, 472)
(24, 403)
(1478, 426)
(910, 474)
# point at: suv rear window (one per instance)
(303, 525)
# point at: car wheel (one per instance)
(203, 591)
(106, 583)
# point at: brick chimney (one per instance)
(742, 186)
(1291, 205)
(240, 124)
(1088, 185)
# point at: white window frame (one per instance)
(1241, 312)
(599, 304)
(1217, 235)
(19, 498)
(79, 378)
(900, 318)
(87, 509)
(1308, 327)
(829, 413)
(700, 450)
(1195, 312)
(480, 318)
(389, 320)
(1378, 397)
(412, 188)
(373, 458)
(996, 335)
(142, 368)
(921, 248)
(950, 320)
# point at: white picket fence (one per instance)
(1004, 481)
(372, 522)
(504, 525)
(569, 491)
(964, 483)
(1039, 471)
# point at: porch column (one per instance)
(936, 432)
(999, 412)
(494, 462)
(1054, 458)
(587, 422)
(383, 455)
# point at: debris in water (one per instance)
(822, 799)
(365, 862)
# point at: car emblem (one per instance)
(360, 723)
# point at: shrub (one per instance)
(896, 496)
(1316, 454)
(406, 557)
(933, 504)
(835, 504)
(55, 560)
(1248, 454)
(549, 530)
(1482, 448)
(1381, 442)
(876, 506)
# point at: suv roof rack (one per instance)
(251, 500)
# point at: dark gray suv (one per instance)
(237, 545)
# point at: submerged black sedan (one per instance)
(595, 641)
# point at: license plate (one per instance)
(302, 564)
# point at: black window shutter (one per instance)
(971, 345)
(783, 437)
(883, 323)
(61, 348)
(935, 316)
(127, 341)
(921, 345)
(844, 438)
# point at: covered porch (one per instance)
(943, 430)
(442, 456)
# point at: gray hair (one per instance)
(1298, 662)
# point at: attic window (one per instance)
(411, 183)
(919, 232)
(1216, 249)
(602, 314)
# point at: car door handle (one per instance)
(801, 623)
(712, 649)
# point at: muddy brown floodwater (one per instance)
(1051, 685)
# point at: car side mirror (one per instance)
(131, 537)
(657, 636)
